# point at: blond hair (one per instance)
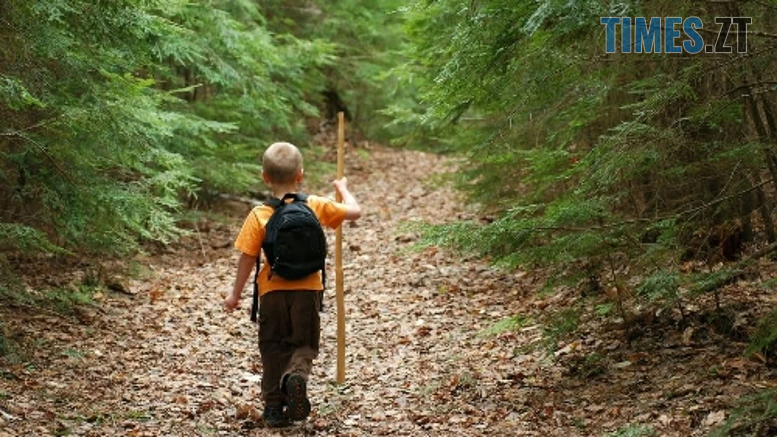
(282, 162)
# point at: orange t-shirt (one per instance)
(251, 237)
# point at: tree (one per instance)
(590, 160)
(115, 112)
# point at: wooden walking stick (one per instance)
(340, 295)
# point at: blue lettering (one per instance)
(651, 35)
(670, 34)
(610, 23)
(626, 36)
(696, 43)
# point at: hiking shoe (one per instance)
(297, 401)
(275, 417)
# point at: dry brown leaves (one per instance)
(164, 359)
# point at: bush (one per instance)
(764, 338)
(755, 415)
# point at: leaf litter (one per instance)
(437, 344)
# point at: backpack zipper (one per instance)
(272, 269)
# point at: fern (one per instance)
(660, 285)
(754, 415)
(633, 431)
(765, 335)
(14, 236)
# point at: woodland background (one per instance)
(647, 182)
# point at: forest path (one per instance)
(169, 361)
(437, 345)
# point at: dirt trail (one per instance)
(422, 359)
(169, 361)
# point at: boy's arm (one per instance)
(353, 211)
(244, 267)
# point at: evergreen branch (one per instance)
(41, 123)
(507, 121)
(749, 32)
(739, 1)
(764, 4)
(651, 220)
(65, 174)
(762, 34)
(737, 60)
(748, 86)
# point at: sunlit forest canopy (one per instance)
(116, 115)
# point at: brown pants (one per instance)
(289, 332)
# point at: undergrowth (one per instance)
(632, 431)
(754, 416)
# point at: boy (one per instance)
(288, 311)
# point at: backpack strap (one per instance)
(255, 301)
(296, 197)
(276, 203)
(323, 284)
(273, 202)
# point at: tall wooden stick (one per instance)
(339, 257)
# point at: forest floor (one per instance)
(438, 344)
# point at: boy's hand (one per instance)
(231, 302)
(341, 185)
(354, 211)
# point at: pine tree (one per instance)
(117, 114)
(591, 160)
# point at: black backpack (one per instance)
(294, 242)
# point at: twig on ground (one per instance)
(8, 416)
(199, 238)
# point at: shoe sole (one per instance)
(297, 398)
(277, 421)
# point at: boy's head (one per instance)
(282, 164)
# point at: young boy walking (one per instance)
(289, 326)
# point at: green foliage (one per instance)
(505, 325)
(633, 431)
(367, 39)
(116, 114)
(15, 95)
(605, 309)
(10, 352)
(5, 345)
(73, 353)
(561, 324)
(660, 285)
(25, 239)
(592, 365)
(764, 338)
(639, 160)
(65, 301)
(707, 282)
(754, 415)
